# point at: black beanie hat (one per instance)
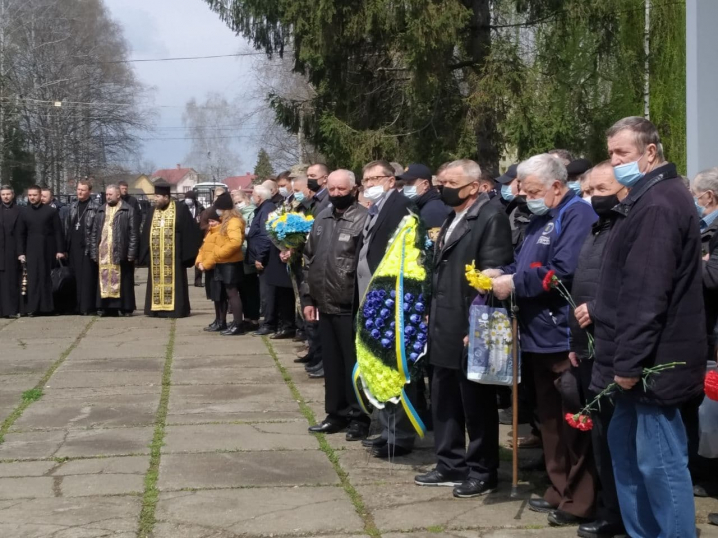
(224, 202)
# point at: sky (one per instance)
(178, 28)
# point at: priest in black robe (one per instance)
(170, 242)
(10, 270)
(40, 243)
(78, 228)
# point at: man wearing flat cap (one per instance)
(576, 170)
(170, 241)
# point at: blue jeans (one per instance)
(649, 450)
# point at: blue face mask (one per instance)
(701, 210)
(537, 207)
(299, 196)
(628, 174)
(506, 193)
(410, 192)
(575, 186)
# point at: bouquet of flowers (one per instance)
(288, 229)
(582, 420)
(391, 328)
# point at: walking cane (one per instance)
(515, 399)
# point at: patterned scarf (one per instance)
(162, 258)
(109, 272)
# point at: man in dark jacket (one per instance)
(480, 233)
(554, 237)
(328, 291)
(317, 175)
(195, 209)
(114, 247)
(605, 194)
(388, 208)
(77, 225)
(418, 188)
(258, 249)
(649, 312)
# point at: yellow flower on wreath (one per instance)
(477, 280)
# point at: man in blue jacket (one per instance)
(561, 222)
(649, 312)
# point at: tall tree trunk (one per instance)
(479, 49)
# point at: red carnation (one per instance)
(535, 265)
(548, 280)
(711, 385)
(579, 421)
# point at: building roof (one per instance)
(239, 182)
(172, 175)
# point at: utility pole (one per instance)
(647, 62)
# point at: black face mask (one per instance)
(313, 185)
(342, 202)
(451, 196)
(603, 205)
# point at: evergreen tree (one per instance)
(263, 169)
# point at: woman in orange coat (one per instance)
(227, 258)
(205, 263)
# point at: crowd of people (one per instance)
(632, 241)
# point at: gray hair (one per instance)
(349, 175)
(707, 180)
(469, 168)
(644, 130)
(263, 192)
(301, 179)
(565, 155)
(112, 187)
(544, 166)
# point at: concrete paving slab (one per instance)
(363, 468)
(129, 465)
(82, 379)
(261, 436)
(256, 511)
(94, 393)
(438, 532)
(97, 485)
(126, 350)
(118, 411)
(407, 507)
(18, 469)
(227, 376)
(31, 445)
(228, 361)
(208, 403)
(201, 345)
(36, 367)
(71, 518)
(128, 364)
(20, 382)
(106, 442)
(26, 488)
(33, 353)
(237, 469)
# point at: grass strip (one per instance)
(151, 494)
(356, 499)
(34, 394)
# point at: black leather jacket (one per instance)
(69, 215)
(125, 234)
(330, 260)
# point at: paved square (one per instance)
(218, 448)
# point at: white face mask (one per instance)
(189, 202)
(284, 191)
(374, 194)
(240, 206)
(219, 212)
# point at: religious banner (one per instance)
(162, 256)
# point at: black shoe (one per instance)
(473, 487)
(304, 359)
(376, 442)
(713, 519)
(300, 336)
(212, 326)
(262, 331)
(387, 451)
(327, 427)
(559, 518)
(436, 478)
(538, 504)
(250, 326)
(218, 329)
(198, 283)
(317, 374)
(600, 529)
(284, 334)
(357, 431)
(233, 330)
(311, 369)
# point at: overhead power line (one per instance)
(182, 58)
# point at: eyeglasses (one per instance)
(373, 179)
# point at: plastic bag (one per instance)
(490, 353)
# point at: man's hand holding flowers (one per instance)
(582, 316)
(502, 286)
(626, 383)
(492, 273)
